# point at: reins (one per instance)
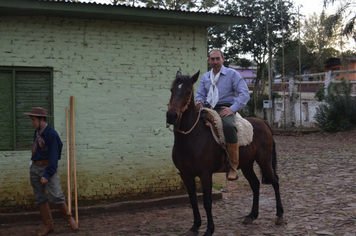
(180, 117)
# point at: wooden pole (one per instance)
(70, 155)
(74, 161)
(69, 172)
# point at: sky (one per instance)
(308, 7)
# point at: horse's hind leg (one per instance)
(271, 178)
(189, 182)
(279, 220)
(255, 186)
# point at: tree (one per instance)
(244, 63)
(288, 63)
(271, 19)
(320, 38)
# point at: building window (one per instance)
(21, 89)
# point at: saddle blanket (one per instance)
(244, 127)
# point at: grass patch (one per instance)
(217, 186)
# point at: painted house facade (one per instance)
(249, 74)
(336, 64)
(118, 62)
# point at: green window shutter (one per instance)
(21, 89)
(6, 111)
(33, 89)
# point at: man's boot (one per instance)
(233, 150)
(47, 220)
(63, 209)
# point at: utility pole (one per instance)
(300, 72)
(283, 74)
(270, 76)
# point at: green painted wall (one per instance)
(120, 74)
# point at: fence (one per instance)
(297, 105)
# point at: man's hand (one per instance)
(198, 105)
(44, 181)
(226, 112)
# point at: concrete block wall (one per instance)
(120, 74)
(298, 113)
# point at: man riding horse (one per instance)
(227, 92)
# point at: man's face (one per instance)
(35, 122)
(215, 60)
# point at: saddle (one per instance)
(213, 120)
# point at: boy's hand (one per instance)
(44, 181)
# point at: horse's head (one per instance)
(181, 96)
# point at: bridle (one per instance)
(180, 116)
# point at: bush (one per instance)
(320, 94)
(339, 111)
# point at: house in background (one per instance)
(118, 62)
(247, 73)
(336, 64)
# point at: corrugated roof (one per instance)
(93, 10)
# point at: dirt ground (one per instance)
(318, 187)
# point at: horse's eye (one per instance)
(188, 92)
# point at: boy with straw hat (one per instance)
(46, 151)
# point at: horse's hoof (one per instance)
(191, 233)
(279, 220)
(247, 221)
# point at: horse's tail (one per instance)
(265, 179)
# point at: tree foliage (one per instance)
(244, 63)
(287, 61)
(320, 37)
(318, 40)
(346, 11)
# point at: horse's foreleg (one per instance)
(189, 183)
(252, 179)
(207, 184)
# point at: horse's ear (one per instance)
(178, 73)
(195, 77)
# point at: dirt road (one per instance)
(318, 187)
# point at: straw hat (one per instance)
(38, 111)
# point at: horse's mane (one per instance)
(182, 79)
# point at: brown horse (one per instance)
(196, 153)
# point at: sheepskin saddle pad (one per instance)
(213, 120)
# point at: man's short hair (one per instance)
(218, 50)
